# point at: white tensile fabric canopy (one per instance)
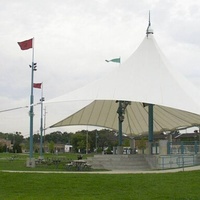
(146, 77)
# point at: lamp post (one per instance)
(41, 126)
(25, 45)
(150, 136)
(44, 129)
(121, 111)
(120, 120)
(87, 142)
(31, 113)
(96, 140)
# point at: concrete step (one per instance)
(123, 162)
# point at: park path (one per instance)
(193, 168)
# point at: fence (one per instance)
(178, 155)
(155, 148)
(190, 147)
(176, 161)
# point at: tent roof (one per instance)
(146, 77)
(103, 113)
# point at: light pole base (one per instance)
(119, 150)
(30, 162)
(41, 157)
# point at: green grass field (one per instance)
(181, 185)
(18, 162)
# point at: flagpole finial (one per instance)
(149, 29)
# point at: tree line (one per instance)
(82, 141)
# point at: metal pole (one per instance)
(120, 122)
(87, 142)
(31, 113)
(150, 106)
(44, 126)
(150, 122)
(41, 121)
(96, 140)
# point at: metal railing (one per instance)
(155, 148)
(176, 161)
(186, 147)
(178, 155)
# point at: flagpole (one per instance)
(41, 121)
(25, 45)
(31, 113)
(45, 112)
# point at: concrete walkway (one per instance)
(111, 172)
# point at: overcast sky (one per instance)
(72, 40)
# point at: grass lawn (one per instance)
(181, 185)
(18, 162)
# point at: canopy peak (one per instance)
(149, 29)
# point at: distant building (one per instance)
(188, 137)
(6, 142)
(68, 148)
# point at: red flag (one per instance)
(37, 85)
(27, 44)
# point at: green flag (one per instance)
(117, 60)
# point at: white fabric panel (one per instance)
(145, 77)
(103, 113)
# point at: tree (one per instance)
(16, 140)
(51, 147)
(78, 141)
(17, 148)
(126, 142)
(142, 144)
(1, 148)
(107, 138)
